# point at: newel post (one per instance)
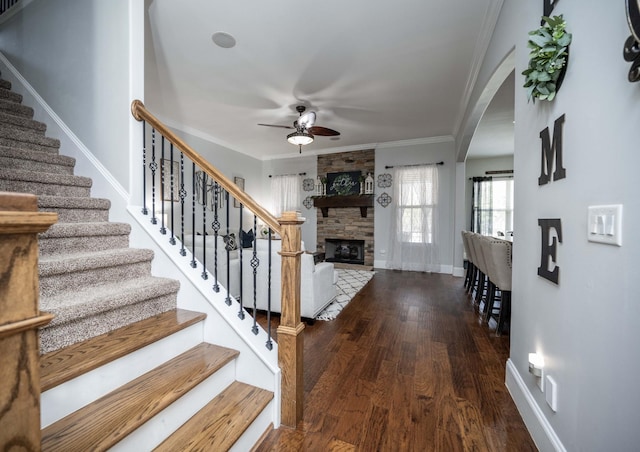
(20, 317)
(290, 331)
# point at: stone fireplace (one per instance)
(347, 223)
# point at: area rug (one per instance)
(350, 282)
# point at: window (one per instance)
(413, 243)
(492, 210)
(415, 206)
(285, 194)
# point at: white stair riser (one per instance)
(56, 402)
(162, 425)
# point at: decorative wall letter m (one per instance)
(549, 250)
(552, 151)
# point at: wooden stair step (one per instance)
(70, 362)
(111, 418)
(221, 422)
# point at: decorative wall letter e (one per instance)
(552, 151)
(549, 250)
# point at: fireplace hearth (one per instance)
(344, 251)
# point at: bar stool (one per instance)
(468, 279)
(481, 267)
(500, 252)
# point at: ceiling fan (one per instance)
(304, 128)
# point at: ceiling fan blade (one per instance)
(277, 125)
(323, 131)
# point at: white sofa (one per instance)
(317, 285)
(234, 263)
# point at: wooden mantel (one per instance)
(337, 201)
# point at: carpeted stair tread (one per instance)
(70, 362)
(29, 138)
(44, 161)
(8, 120)
(70, 210)
(6, 84)
(65, 273)
(64, 238)
(25, 181)
(16, 109)
(85, 302)
(127, 408)
(221, 422)
(85, 229)
(27, 146)
(7, 94)
(55, 265)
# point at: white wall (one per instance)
(75, 53)
(436, 151)
(586, 327)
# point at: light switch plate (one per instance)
(604, 224)
(551, 393)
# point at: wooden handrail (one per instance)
(142, 114)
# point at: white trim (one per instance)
(295, 153)
(66, 130)
(482, 46)
(380, 264)
(416, 141)
(538, 425)
(458, 271)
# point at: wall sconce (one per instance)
(536, 364)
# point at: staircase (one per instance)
(121, 367)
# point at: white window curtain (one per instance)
(285, 193)
(414, 206)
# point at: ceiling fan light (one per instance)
(300, 138)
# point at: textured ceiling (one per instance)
(376, 71)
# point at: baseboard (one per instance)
(458, 271)
(539, 427)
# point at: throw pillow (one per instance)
(247, 238)
(230, 242)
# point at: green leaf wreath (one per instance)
(548, 58)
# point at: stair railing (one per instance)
(20, 318)
(173, 172)
(6, 5)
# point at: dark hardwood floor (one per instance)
(405, 367)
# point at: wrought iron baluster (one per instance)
(172, 240)
(163, 182)
(239, 242)
(215, 225)
(153, 166)
(204, 227)
(193, 215)
(269, 344)
(255, 263)
(183, 195)
(228, 299)
(145, 211)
